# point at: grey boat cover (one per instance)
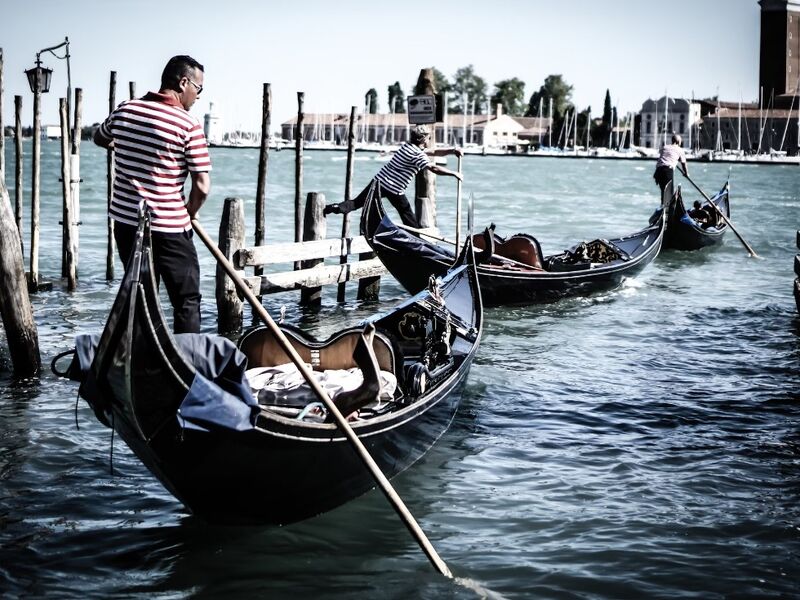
(219, 396)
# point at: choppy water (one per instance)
(643, 443)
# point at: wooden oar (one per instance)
(344, 426)
(721, 214)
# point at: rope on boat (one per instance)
(308, 409)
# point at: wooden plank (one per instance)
(320, 275)
(276, 254)
(289, 252)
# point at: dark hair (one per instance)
(178, 67)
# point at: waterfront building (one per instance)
(665, 116)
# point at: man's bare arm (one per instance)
(201, 186)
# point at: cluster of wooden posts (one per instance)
(307, 254)
(15, 285)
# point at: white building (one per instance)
(211, 126)
(665, 116)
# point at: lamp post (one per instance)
(39, 80)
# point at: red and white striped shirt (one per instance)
(156, 144)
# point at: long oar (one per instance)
(380, 478)
(721, 214)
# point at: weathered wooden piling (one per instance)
(263, 168)
(18, 168)
(348, 192)
(231, 238)
(74, 186)
(298, 173)
(425, 184)
(132, 89)
(33, 275)
(68, 248)
(110, 250)
(15, 305)
(314, 228)
(2, 131)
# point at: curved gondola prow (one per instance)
(137, 361)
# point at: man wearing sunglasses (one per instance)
(156, 144)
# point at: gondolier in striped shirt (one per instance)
(396, 174)
(668, 159)
(156, 144)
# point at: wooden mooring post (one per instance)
(70, 227)
(33, 275)
(298, 173)
(110, 249)
(425, 197)
(348, 192)
(18, 168)
(15, 305)
(2, 129)
(68, 247)
(314, 228)
(231, 238)
(263, 168)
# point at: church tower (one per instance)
(779, 66)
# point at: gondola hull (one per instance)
(260, 466)
(685, 233)
(411, 259)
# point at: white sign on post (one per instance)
(422, 109)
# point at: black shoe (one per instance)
(331, 208)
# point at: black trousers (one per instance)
(663, 176)
(399, 201)
(175, 261)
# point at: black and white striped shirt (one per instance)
(396, 174)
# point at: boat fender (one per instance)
(417, 379)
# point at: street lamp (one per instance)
(39, 77)
(39, 81)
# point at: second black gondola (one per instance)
(513, 270)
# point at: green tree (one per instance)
(510, 94)
(553, 87)
(560, 92)
(371, 101)
(603, 130)
(442, 85)
(467, 83)
(397, 99)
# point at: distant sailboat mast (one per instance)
(464, 120)
(666, 113)
(550, 126)
(540, 121)
(739, 127)
(445, 132)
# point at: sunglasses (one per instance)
(199, 88)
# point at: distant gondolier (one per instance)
(671, 155)
(396, 174)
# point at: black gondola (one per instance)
(513, 270)
(699, 227)
(185, 408)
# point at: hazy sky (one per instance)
(336, 50)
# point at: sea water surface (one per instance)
(640, 443)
